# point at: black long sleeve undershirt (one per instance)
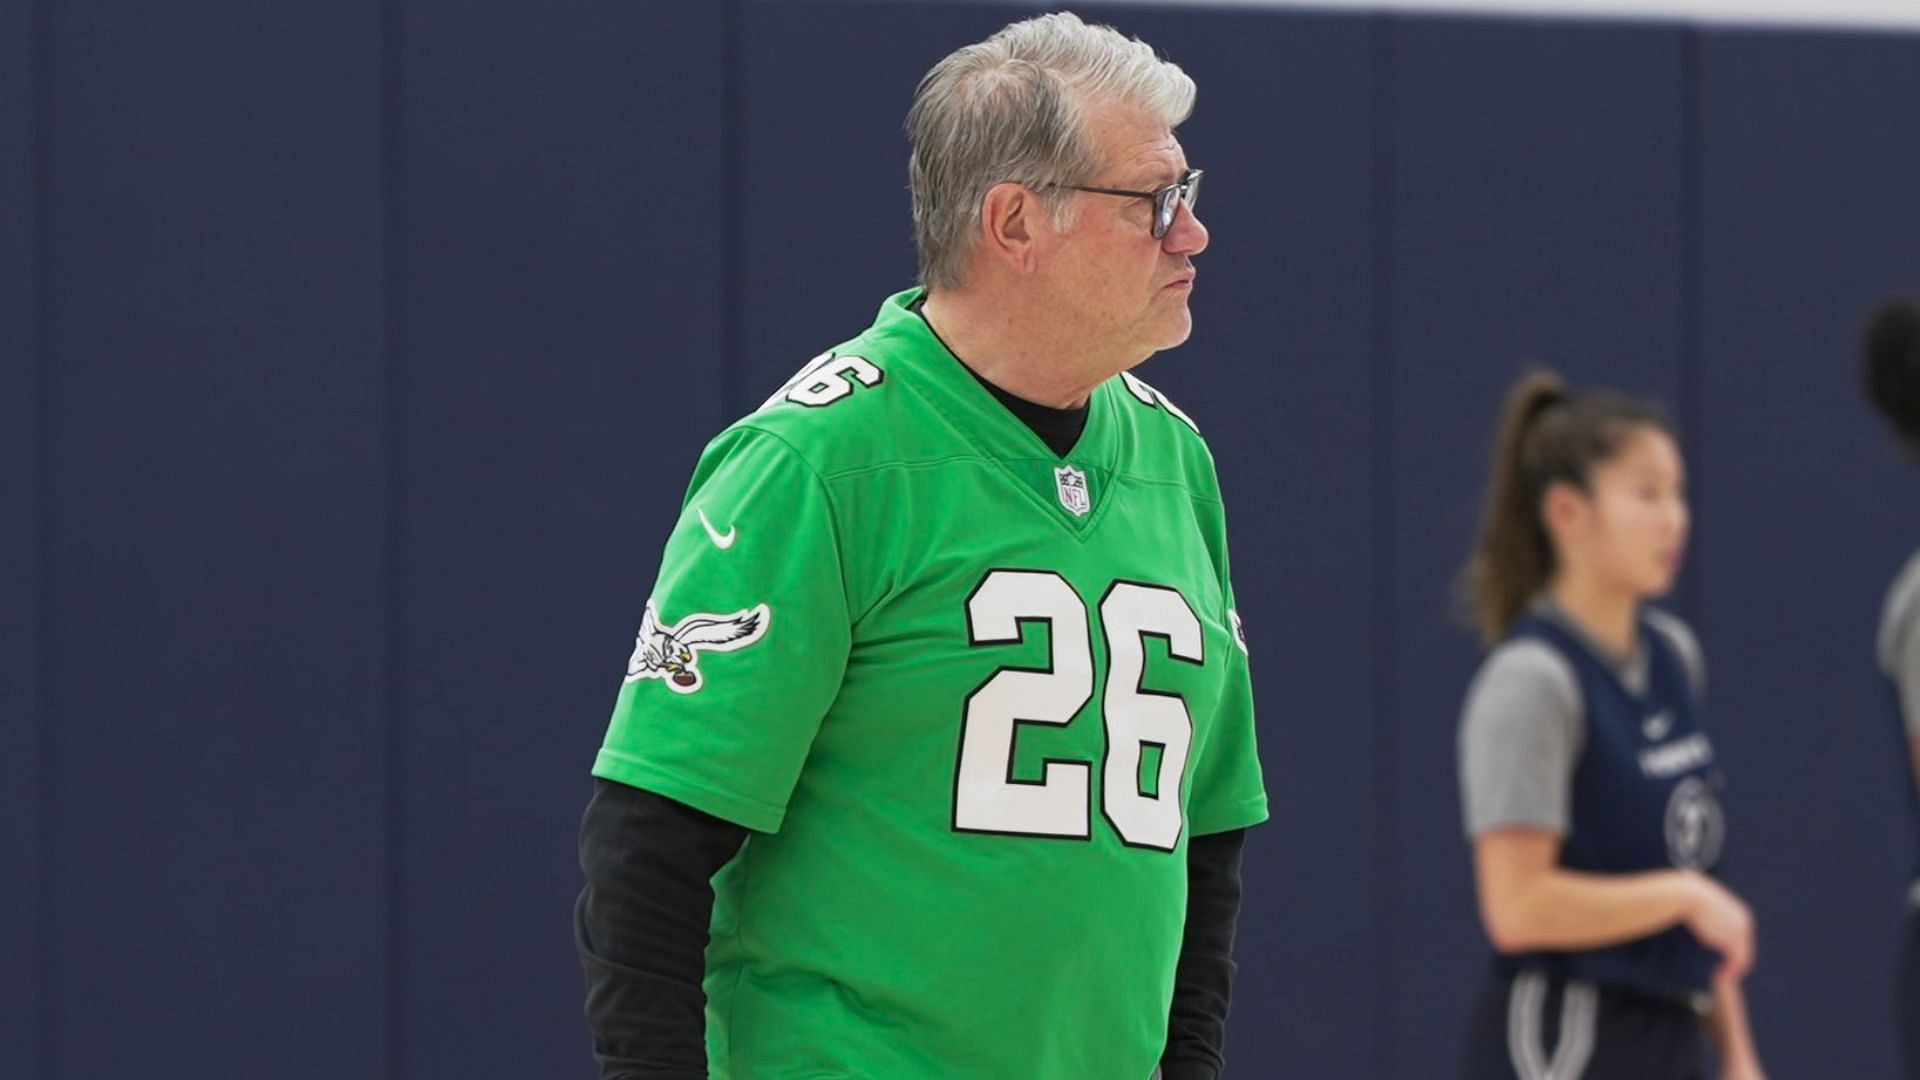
(1203, 982)
(641, 927)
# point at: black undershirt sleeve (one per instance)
(641, 928)
(1203, 983)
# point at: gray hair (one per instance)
(1011, 108)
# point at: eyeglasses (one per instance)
(1166, 200)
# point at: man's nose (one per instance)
(1187, 235)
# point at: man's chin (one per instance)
(1177, 328)
(1168, 328)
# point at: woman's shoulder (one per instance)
(1526, 666)
(1899, 613)
(1682, 639)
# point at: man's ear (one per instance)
(1013, 225)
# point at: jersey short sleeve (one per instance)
(1228, 789)
(1521, 733)
(743, 643)
(1899, 642)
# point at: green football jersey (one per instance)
(971, 697)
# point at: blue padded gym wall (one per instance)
(21, 802)
(558, 357)
(213, 797)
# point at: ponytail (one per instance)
(1513, 558)
(1549, 434)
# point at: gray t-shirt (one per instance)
(1900, 641)
(1524, 724)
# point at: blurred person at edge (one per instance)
(1890, 370)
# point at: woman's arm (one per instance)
(1732, 1035)
(1529, 903)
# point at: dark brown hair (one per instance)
(1890, 368)
(1549, 434)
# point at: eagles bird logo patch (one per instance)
(672, 653)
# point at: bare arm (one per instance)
(1913, 749)
(1732, 1035)
(1528, 902)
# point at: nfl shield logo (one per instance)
(1073, 490)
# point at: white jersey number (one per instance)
(826, 379)
(987, 797)
(1138, 718)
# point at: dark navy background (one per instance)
(356, 355)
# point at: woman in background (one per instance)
(1892, 373)
(1588, 782)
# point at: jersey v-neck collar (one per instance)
(1060, 429)
(992, 429)
(1634, 673)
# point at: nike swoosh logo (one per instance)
(719, 541)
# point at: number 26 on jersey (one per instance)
(987, 798)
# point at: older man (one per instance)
(936, 747)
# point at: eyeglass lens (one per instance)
(1169, 202)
